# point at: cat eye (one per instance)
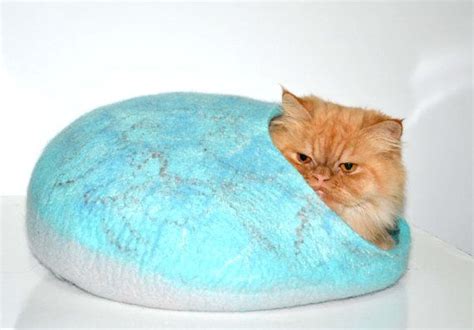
(302, 158)
(348, 167)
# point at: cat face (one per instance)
(350, 157)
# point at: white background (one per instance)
(409, 59)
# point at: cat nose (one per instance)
(322, 177)
(321, 174)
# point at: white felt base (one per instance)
(33, 298)
(106, 278)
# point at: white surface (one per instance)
(411, 59)
(435, 292)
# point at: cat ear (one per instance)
(383, 136)
(387, 129)
(293, 106)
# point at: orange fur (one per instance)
(370, 195)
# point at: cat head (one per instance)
(350, 156)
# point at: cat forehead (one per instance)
(331, 131)
(339, 119)
(335, 138)
(329, 149)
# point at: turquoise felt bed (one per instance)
(181, 201)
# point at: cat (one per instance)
(351, 157)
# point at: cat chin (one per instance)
(320, 192)
(328, 198)
(324, 196)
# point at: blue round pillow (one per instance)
(181, 201)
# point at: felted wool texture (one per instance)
(181, 201)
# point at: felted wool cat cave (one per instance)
(181, 201)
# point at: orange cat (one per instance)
(351, 157)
